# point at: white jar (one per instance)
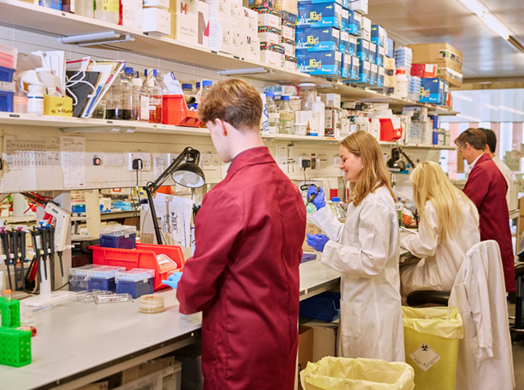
(35, 100)
(401, 84)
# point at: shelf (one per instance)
(118, 215)
(45, 20)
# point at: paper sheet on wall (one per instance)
(73, 161)
(36, 159)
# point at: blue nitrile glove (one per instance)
(317, 242)
(319, 200)
(173, 280)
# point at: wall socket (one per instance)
(145, 157)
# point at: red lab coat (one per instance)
(244, 276)
(486, 187)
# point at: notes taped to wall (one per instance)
(73, 161)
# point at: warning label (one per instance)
(424, 356)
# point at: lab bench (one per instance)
(79, 343)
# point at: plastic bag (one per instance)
(332, 373)
(438, 321)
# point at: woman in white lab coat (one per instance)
(366, 251)
(449, 227)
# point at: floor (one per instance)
(518, 357)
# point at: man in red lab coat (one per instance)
(244, 274)
(486, 187)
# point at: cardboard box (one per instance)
(364, 72)
(305, 349)
(249, 22)
(360, 6)
(272, 54)
(310, 118)
(235, 12)
(379, 56)
(156, 21)
(312, 229)
(220, 36)
(290, 63)
(355, 23)
(203, 24)
(372, 52)
(132, 14)
(379, 36)
(424, 70)
(321, 63)
(449, 75)
(288, 31)
(145, 369)
(268, 36)
(350, 66)
(319, 14)
(186, 28)
(331, 100)
(164, 4)
(324, 338)
(318, 39)
(218, 10)
(343, 45)
(365, 31)
(381, 76)
(352, 46)
(363, 50)
(289, 50)
(433, 91)
(236, 41)
(188, 7)
(333, 123)
(250, 48)
(442, 54)
(373, 74)
(270, 20)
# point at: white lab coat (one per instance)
(366, 251)
(442, 261)
(485, 358)
(508, 175)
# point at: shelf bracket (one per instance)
(97, 129)
(97, 38)
(243, 72)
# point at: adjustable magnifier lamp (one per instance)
(184, 170)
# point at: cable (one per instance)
(135, 206)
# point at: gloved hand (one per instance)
(173, 280)
(317, 242)
(319, 200)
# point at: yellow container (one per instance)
(431, 337)
(58, 106)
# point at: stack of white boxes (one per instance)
(219, 27)
(156, 18)
(185, 20)
(131, 14)
(270, 33)
(250, 39)
(288, 43)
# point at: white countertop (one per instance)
(77, 338)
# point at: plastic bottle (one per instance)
(336, 208)
(155, 99)
(85, 8)
(107, 10)
(140, 101)
(35, 100)
(272, 113)
(398, 208)
(401, 84)
(119, 103)
(19, 100)
(320, 107)
(286, 120)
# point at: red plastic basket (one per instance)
(144, 256)
(387, 132)
(175, 112)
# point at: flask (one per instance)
(107, 10)
(35, 100)
(320, 107)
(286, 117)
(272, 113)
(155, 99)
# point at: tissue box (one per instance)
(131, 14)
(363, 50)
(236, 41)
(249, 22)
(269, 34)
(156, 3)
(186, 28)
(288, 31)
(355, 22)
(58, 106)
(250, 48)
(319, 14)
(270, 18)
(156, 21)
(290, 63)
(318, 39)
(289, 48)
(218, 10)
(203, 24)
(378, 35)
(220, 36)
(361, 6)
(272, 54)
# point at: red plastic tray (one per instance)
(144, 256)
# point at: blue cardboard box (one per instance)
(372, 52)
(355, 23)
(352, 46)
(373, 74)
(379, 35)
(379, 56)
(318, 39)
(345, 20)
(349, 69)
(312, 14)
(344, 42)
(323, 63)
(364, 72)
(381, 74)
(433, 91)
(363, 50)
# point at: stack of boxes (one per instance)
(156, 19)
(250, 39)
(190, 21)
(131, 14)
(219, 27)
(326, 39)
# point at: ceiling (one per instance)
(486, 55)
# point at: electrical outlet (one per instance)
(146, 160)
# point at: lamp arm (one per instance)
(153, 187)
(407, 157)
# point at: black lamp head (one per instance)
(395, 163)
(189, 174)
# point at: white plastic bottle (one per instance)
(107, 10)
(272, 113)
(35, 100)
(401, 84)
(320, 107)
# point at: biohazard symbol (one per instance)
(425, 347)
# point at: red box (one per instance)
(147, 256)
(175, 112)
(387, 132)
(424, 70)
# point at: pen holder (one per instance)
(175, 112)
(58, 106)
(10, 313)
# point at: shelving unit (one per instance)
(60, 24)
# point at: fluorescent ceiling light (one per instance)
(461, 97)
(495, 25)
(494, 108)
(474, 6)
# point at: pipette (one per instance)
(311, 197)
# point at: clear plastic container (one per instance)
(272, 114)
(308, 95)
(286, 121)
(300, 128)
(155, 98)
(336, 208)
(78, 277)
(107, 10)
(87, 296)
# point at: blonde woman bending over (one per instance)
(449, 227)
(365, 251)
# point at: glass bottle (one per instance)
(119, 103)
(286, 120)
(272, 113)
(206, 86)
(187, 89)
(140, 101)
(155, 99)
(100, 110)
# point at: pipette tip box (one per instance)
(136, 282)
(78, 277)
(103, 278)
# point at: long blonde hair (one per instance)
(430, 183)
(374, 173)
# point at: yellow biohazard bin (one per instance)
(431, 337)
(331, 373)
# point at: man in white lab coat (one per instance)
(491, 146)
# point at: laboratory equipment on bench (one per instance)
(395, 163)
